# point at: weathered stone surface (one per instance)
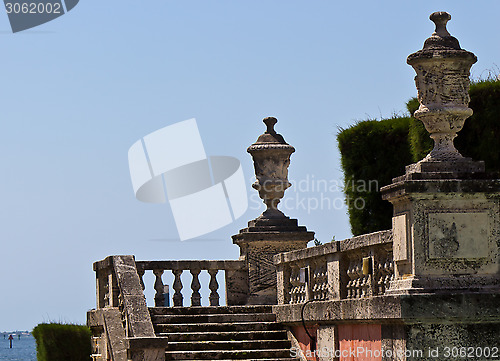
(139, 320)
(112, 334)
(453, 342)
(271, 158)
(237, 287)
(408, 309)
(400, 237)
(147, 354)
(458, 235)
(452, 233)
(442, 82)
(272, 232)
(326, 342)
(410, 324)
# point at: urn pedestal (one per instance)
(272, 232)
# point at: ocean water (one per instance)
(22, 350)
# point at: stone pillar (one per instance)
(272, 232)
(446, 208)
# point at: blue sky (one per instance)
(79, 91)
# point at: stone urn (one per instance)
(442, 81)
(271, 158)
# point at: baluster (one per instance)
(313, 266)
(390, 273)
(287, 286)
(379, 279)
(294, 282)
(213, 286)
(324, 282)
(159, 297)
(178, 298)
(358, 273)
(350, 284)
(195, 287)
(304, 287)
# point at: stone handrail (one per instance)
(353, 268)
(121, 324)
(236, 277)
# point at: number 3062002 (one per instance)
(33, 8)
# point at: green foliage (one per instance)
(61, 342)
(372, 153)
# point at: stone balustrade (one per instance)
(121, 324)
(358, 267)
(236, 277)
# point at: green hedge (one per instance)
(60, 342)
(372, 153)
(379, 150)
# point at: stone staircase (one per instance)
(221, 333)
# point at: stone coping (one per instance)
(365, 240)
(179, 264)
(408, 309)
(430, 187)
(192, 264)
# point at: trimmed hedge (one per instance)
(372, 153)
(60, 342)
(380, 150)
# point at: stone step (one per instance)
(214, 318)
(217, 327)
(209, 310)
(223, 336)
(229, 345)
(229, 355)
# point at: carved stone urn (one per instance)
(271, 158)
(442, 81)
(272, 232)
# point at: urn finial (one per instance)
(442, 81)
(271, 158)
(270, 122)
(440, 18)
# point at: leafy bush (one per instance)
(61, 342)
(372, 153)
